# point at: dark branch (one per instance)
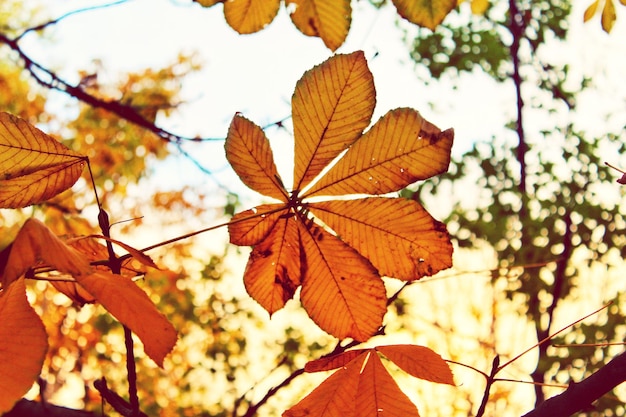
(50, 80)
(27, 408)
(66, 15)
(579, 396)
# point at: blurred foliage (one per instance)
(484, 39)
(566, 227)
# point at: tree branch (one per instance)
(54, 82)
(579, 396)
(28, 408)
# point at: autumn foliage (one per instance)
(323, 235)
(338, 249)
(327, 19)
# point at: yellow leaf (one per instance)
(419, 361)
(249, 153)
(397, 235)
(249, 16)
(400, 149)
(23, 347)
(479, 7)
(591, 10)
(273, 271)
(252, 226)
(34, 167)
(427, 13)
(335, 397)
(331, 105)
(36, 245)
(378, 394)
(131, 306)
(608, 16)
(333, 362)
(341, 290)
(327, 19)
(208, 3)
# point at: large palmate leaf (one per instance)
(362, 386)
(34, 167)
(23, 347)
(338, 249)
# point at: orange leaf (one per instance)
(400, 149)
(23, 347)
(335, 397)
(331, 106)
(427, 13)
(397, 235)
(34, 167)
(419, 361)
(132, 307)
(327, 19)
(249, 153)
(273, 271)
(378, 394)
(341, 290)
(36, 245)
(74, 291)
(333, 362)
(249, 16)
(94, 251)
(134, 253)
(208, 3)
(252, 226)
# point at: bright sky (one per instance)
(256, 74)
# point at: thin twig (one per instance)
(490, 380)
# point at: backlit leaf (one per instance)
(250, 155)
(34, 167)
(249, 227)
(335, 397)
(36, 245)
(327, 19)
(341, 290)
(608, 16)
(591, 10)
(331, 105)
(419, 361)
(427, 13)
(273, 271)
(340, 248)
(131, 306)
(379, 395)
(249, 16)
(74, 291)
(208, 3)
(333, 362)
(479, 7)
(23, 347)
(397, 235)
(398, 150)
